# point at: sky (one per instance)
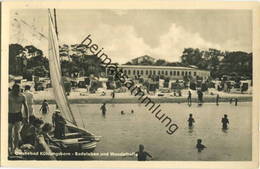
(127, 34)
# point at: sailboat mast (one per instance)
(55, 22)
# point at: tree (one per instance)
(40, 71)
(192, 56)
(15, 50)
(33, 51)
(238, 62)
(160, 62)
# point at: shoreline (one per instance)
(206, 99)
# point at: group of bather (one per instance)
(28, 133)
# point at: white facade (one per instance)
(172, 72)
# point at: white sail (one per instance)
(56, 76)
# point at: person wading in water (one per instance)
(225, 122)
(189, 98)
(191, 121)
(103, 109)
(16, 101)
(141, 154)
(200, 146)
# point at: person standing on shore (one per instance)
(200, 97)
(113, 94)
(225, 122)
(217, 99)
(191, 121)
(29, 98)
(201, 100)
(236, 100)
(103, 109)
(16, 101)
(189, 98)
(45, 107)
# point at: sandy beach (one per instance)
(81, 97)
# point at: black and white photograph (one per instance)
(130, 84)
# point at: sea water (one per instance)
(122, 134)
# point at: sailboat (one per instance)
(77, 138)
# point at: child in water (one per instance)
(141, 154)
(200, 146)
(225, 122)
(122, 112)
(132, 111)
(191, 121)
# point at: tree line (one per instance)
(29, 60)
(219, 63)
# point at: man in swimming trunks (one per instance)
(16, 101)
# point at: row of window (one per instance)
(159, 72)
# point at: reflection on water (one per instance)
(124, 133)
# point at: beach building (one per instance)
(173, 72)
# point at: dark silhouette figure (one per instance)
(217, 99)
(141, 154)
(200, 146)
(103, 109)
(45, 107)
(189, 98)
(236, 100)
(191, 121)
(122, 112)
(59, 125)
(132, 111)
(225, 122)
(113, 94)
(200, 97)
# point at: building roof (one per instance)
(157, 67)
(145, 56)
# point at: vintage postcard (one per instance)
(117, 83)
